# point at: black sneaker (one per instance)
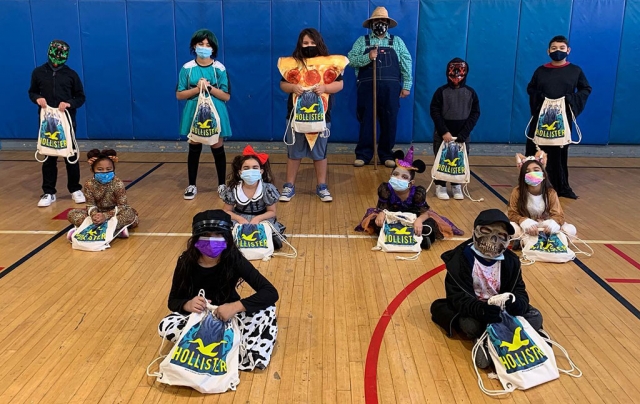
(277, 243)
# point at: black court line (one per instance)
(632, 309)
(62, 232)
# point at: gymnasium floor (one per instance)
(354, 325)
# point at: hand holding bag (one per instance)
(56, 136)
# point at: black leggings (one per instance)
(193, 161)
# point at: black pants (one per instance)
(50, 175)
(474, 328)
(557, 168)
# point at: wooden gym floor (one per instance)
(354, 324)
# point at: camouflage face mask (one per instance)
(58, 52)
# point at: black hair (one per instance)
(315, 37)
(105, 154)
(229, 261)
(199, 36)
(236, 165)
(559, 38)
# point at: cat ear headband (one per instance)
(540, 157)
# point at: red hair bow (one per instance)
(262, 157)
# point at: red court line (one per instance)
(62, 215)
(617, 280)
(126, 180)
(1, 268)
(371, 363)
(623, 255)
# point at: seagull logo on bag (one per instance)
(549, 243)
(93, 233)
(251, 236)
(452, 159)
(204, 348)
(398, 234)
(516, 350)
(52, 133)
(551, 122)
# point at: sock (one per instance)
(193, 161)
(220, 158)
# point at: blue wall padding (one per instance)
(107, 73)
(540, 20)
(491, 55)
(153, 69)
(247, 48)
(16, 37)
(442, 36)
(626, 117)
(596, 30)
(128, 54)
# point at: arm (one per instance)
(78, 97)
(535, 95)
(234, 216)
(405, 63)
(334, 87)
(34, 88)
(578, 100)
(266, 295)
(179, 294)
(383, 196)
(555, 209)
(221, 91)
(183, 92)
(471, 120)
(521, 304)
(187, 94)
(466, 304)
(436, 112)
(357, 57)
(512, 210)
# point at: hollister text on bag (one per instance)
(205, 126)
(553, 127)
(451, 163)
(55, 135)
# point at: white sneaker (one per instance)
(441, 192)
(190, 192)
(457, 192)
(78, 197)
(221, 189)
(46, 200)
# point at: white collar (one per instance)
(243, 199)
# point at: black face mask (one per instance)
(379, 27)
(558, 55)
(310, 51)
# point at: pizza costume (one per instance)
(320, 70)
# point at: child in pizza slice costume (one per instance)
(310, 76)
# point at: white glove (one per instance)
(551, 226)
(529, 226)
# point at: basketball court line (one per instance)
(321, 236)
(62, 232)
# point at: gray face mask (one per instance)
(491, 240)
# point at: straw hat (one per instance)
(378, 13)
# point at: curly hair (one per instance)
(95, 155)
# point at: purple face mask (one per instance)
(211, 246)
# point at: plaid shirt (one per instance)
(358, 59)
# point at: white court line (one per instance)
(337, 236)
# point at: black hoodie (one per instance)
(455, 109)
(461, 298)
(60, 85)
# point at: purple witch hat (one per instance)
(407, 161)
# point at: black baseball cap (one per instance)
(211, 221)
(490, 216)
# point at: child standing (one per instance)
(204, 72)
(250, 196)
(57, 85)
(554, 80)
(105, 193)
(455, 110)
(534, 203)
(213, 262)
(310, 44)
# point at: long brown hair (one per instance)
(315, 37)
(523, 188)
(236, 166)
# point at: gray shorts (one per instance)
(300, 149)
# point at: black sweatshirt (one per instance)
(61, 85)
(209, 279)
(455, 110)
(555, 82)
